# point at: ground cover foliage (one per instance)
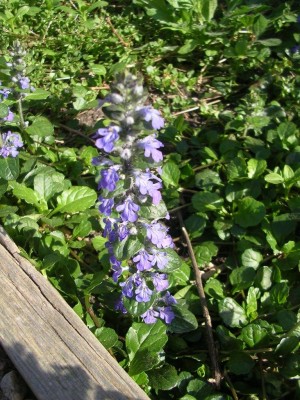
(225, 75)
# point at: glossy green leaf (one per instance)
(75, 199)
(164, 378)
(232, 313)
(250, 212)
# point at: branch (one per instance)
(208, 325)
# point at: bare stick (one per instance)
(115, 32)
(210, 339)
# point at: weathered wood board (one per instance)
(58, 357)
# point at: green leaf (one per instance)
(274, 178)
(25, 193)
(9, 168)
(98, 69)
(214, 288)
(256, 167)
(48, 183)
(242, 278)
(232, 313)
(170, 174)
(291, 367)
(40, 127)
(208, 9)
(107, 337)
(153, 211)
(251, 258)
(250, 212)
(287, 345)
(145, 336)
(4, 110)
(75, 199)
(189, 46)
(254, 335)
(136, 308)
(279, 293)
(204, 201)
(164, 378)
(37, 94)
(184, 320)
(144, 360)
(174, 261)
(260, 25)
(240, 363)
(205, 252)
(236, 169)
(127, 248)
(270, 42)
(198, 388)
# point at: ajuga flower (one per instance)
(130, 196)
(9, 144)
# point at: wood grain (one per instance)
(57, 355)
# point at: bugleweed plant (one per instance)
(140, 249)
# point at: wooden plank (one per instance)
(57, 355)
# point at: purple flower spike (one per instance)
(109, 178)
(150, 316)
(150, 114)
(9, 143)
(106, 138)
(143, 293)
(129, 210)
(150, 145)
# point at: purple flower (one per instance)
(116, 267)
(166, 314)
(150, 316)
(157, 234)
(147, 186)
(160, 281)
(5, 92)
(9, 143)
(150, 145)
(110, 229)
(9, 117)
(129, 210)
(106, 205)
(123, 230)
(107, 138)
(119, 306)
(24, 82)
(160, 258)
(143, 293)
(127, 287)
(169, 299)
(150, 114)
(143, 260)
(109, 178)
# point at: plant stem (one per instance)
(20, 111)
(210, 339)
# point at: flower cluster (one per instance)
(9, 144)
(138, 242)
(18, 66)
